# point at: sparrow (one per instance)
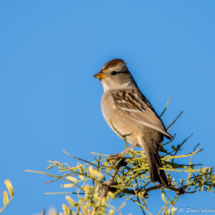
(128, 112)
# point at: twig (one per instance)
(165, 107)
(170, 140)
(79, 158)
(174, 121)
(106, 186)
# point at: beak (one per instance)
(100, 75)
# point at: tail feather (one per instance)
(155, 173)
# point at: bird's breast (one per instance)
(118, 121)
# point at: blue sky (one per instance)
(49, 52)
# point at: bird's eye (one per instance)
(113, 73)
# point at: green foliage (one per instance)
(98, 182)
(131, 181)
(6, 199)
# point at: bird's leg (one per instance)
(130, 147)
(117, 156)
(124, 137)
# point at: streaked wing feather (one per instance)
(134, 104)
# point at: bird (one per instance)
(128, 112)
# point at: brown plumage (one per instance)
(127, 109)
(112, 64)
(136, 105)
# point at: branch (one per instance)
(106, 186)
(179, 190)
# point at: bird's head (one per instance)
(115, 75)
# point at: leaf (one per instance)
(9, 187)
(65, 209)
(72, 179)
(70, 200)
(87, 190)
(98, 162)
(91, 170)
(173, 210)
(67, 185)
(178, 147)
(111, 212)
(163, 198)
(112, 195)
(94, 172)
(49, 167)
(161, 148)
(122, 205)
(206, 175)
(5, 198)
(210, 172)
(81, 177)
(173, 147)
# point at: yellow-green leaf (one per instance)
(123, 205)
(94, 172)
(112, 195)
(65, 209)
(91, 170)
(49, 167)
(67, 185)
(5, 198)
(173, 210)
(111, 211)
(72, 179)
(98, 174)
(9, 187)
(163, 197)
(70, 200)
(81, 177)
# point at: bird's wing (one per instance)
(133, 103)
